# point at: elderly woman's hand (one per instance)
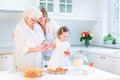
(47, 45)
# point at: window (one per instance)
(57, 6)
(48, 5)
(116, 20)
(118, 17)
(65, 6)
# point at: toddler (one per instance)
(61, 49)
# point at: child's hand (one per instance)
(43, 48)
(67, 53)
(46, 43)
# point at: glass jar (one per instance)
(77, 60)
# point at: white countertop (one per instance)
(87, 74)
(90, 49)
(98, 50)
(6, 50)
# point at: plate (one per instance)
(57, 71)
(32, 72)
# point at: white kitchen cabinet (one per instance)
(87, 9)
(104, 62)
(6, 63)
(78, 9)
(57, 6)
(108, 64)
(17, 5)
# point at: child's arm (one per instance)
(54, 44)
(67, 52)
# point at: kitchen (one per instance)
(96, 16)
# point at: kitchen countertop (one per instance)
(98, 50)
(86, 73)
(6, 50)
(90, 49)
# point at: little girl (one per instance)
(61, 49)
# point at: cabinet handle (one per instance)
(115, 52)
(1, 57)
(5, 56)
(102, 57)
(87, 54)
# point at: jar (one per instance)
(77, 60)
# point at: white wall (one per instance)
(7, 23)
(99, 26)
(76, 27)
(105, 21)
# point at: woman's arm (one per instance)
(21, 44)
(38, 49)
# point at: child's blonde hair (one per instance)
(62, 29)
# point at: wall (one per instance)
(104, 23)
(7, 23)
(88, 20)
(76, 27)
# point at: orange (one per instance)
(91, 64)
(67, 53)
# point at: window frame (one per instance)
(56, 7)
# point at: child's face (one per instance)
(64, 36)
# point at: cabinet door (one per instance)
(116, 66)
(2, 63)
(109, 64)
(104, 62)
(98, 60)
(9, 62)
(6, 63)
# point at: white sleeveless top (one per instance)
(58, 58)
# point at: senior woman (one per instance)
(50, 28)
(28, 40)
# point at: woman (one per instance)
(50, 29)
(28, 39)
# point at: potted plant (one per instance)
(86, 36)
(109, 39)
